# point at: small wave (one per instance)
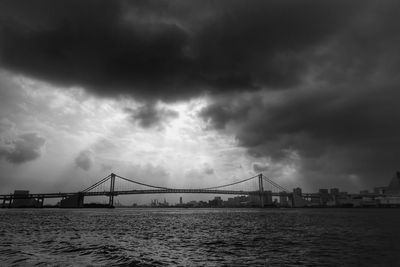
(216, 242)
(19, 260)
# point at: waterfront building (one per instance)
(75, 201)
(334, 191)
(283, 201)
(21, 202)
(255, 200)
(237, 201)
(394, 186)
(297, 191)
(389, 201)
(154, 203)
(380, 190)
(299, 202)
(324, 196)
(216, 202)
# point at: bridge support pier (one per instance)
(291, 200)
(4, 203)
(9, 203)
(40, 202)
(112, 185)
(261, 189)
(81, 200)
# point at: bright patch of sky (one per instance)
(88, 137)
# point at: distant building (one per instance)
(298, 201)
(216, 202)
(165, 203)
(364, 192)
(297, 191)
(180, 201)
(192, 204)
(390, 201)
(324, 196)
(283, 201)
(20, 202)
(75, 201)
(268, 198)
(342, 199)
(154, 203)
(315, 200)
(238, 201)
(394, 186)
(255, 199)
(157, 203)
(380, 190)
(334, 191)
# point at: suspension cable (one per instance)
(275, 184)
(225, 185)
(135, 182)
(166, 188)
(97, 184)
(102, 181)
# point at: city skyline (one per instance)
(198, 93)
(260, 191)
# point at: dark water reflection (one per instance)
(200, 237)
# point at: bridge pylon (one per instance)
(261, 189)
(112, 185)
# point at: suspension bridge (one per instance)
(258, 187)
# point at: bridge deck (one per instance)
(137, 192)
(169, 191)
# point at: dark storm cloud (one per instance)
(167, 49)
(25, 147)
(84, 160)
(208, 170)
(259, 167)
(344, 122)
(149, 115)
(332, 133)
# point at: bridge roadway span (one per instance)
(167, 191)
(137, 192)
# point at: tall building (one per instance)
(283, 201)
(334, 195)
(297, 191)
(324, 196)
(394, 186)
(180, 201)
(334, 191)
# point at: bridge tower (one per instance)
(261, 189)
(112, 184)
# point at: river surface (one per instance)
(200, 237)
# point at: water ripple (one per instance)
(200, 237)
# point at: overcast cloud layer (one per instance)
(168, 49)
(310, 84)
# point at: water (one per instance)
(200, 237)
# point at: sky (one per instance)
(199, 93)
